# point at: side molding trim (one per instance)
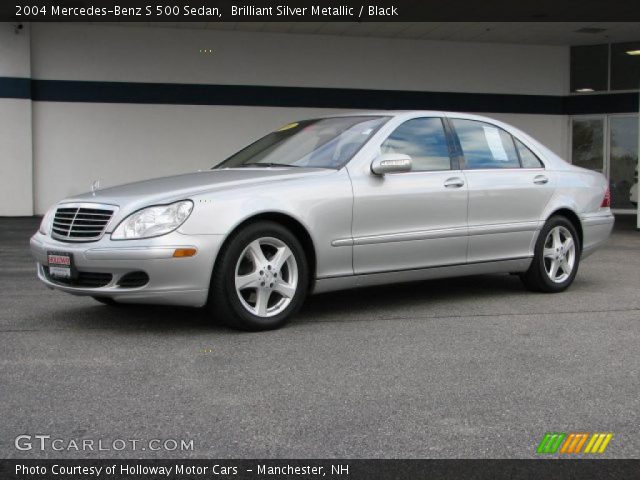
(438, 233)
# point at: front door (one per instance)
(416, 219)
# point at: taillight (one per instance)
(606, 201)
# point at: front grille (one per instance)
(80, 224)
(133, 280)
(84, 279)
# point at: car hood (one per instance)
(178, 187)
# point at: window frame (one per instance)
(454, 163)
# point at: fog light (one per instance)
(184, 252)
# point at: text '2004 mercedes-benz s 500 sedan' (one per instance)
(328, 204)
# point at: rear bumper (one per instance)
(172, 281)
(596, 230)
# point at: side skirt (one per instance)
(329, 284)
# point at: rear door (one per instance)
(508, 190)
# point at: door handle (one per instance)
(454, 182)
(540, 179)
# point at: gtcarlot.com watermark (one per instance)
(45, 443)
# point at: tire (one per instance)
(105, 300)
(282, 269)
(540, 277)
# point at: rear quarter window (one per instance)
(527, 157)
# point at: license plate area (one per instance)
(61, 265)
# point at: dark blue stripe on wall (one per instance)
(12, 87)
(602, 103)
(267, 96)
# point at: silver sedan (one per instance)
(329, 204)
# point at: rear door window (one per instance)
(485, 146)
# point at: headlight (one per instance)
(47, 221)
(153, 221)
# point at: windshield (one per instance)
(320, 143)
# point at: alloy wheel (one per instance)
(266, 277)
(559, 254)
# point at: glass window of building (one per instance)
(589, 68)
(587, 146)
(625, 66)
(623, 158)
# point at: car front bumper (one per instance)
(172, 280)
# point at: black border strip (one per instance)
(404, 11)
(552, 468)
(311, 97)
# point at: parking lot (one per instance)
(471, 367)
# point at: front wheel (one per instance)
(261, 278)
(556, 259)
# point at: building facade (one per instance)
(120, 103)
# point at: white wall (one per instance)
(120, 143)
(75, 143)
(16, 173)
(552, 130)
(126, 53)
(81, 142)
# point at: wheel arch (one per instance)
(573, 217)
(287, 221)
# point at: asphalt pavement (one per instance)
(469, 367)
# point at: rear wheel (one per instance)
(261, 278)
(556, 259)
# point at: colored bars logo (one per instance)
(573, 443)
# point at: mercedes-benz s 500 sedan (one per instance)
(328, 204)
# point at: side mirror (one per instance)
(391, 163)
